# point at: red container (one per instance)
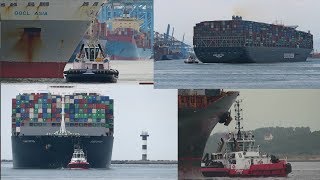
(58, 115)
(40, 115)
(81, 106)
(49, 101)
(54, 106)
(53, 119)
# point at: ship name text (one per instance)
(27, 13)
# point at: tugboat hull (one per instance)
(110, 76)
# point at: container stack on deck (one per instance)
(239, 33)
(197, 99)
(45, 109)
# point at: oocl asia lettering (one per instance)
(27, 13)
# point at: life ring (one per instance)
(233, 166)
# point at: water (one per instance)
(176, 74)
(130, 72)
(117, 171)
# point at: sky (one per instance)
(136, 108)
(283, 108)
(183, 15)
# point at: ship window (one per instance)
(85, 4)
(95, 4)
(94, 66)
(92, 53)
(240, 155)
(87, 52)
(30, 3)
(2, 4)
(44, 4)
(100, 66)
(13, 4)
(97, 51)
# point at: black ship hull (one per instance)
(44, 152)
(251, 54)
(194, 128)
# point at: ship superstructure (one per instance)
(241, 41)
(38, 37)
(47, 126)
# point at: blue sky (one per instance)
(183, 15)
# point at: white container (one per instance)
(67, 119)
(48, 110)
(17, 129)
(18, 115)
(40, 110)
(94, 110)
(40, 120)
(67, 101)
(31, 110)
(71, 101)
(31, 97)
(103, 121)
(89, 120)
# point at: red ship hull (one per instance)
(279, 169)
(32, 69)
(78, 165)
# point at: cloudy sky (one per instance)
(284, 108)
(137, 108)
(183, 15)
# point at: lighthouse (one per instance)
(144, 136)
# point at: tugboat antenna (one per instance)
(238, 117)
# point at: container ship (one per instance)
(46, 127)
(122, 38)
(38, 37)
(199, 112)
(241, 41)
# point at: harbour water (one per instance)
(117, 171)
(130, 72)
(175, 74)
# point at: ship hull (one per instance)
(32, 70)
(251, 54)
(44, 152)
(194, 128)
(280, 169)
(121, 50)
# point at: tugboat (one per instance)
(78, 160)
(242, 158)
(191, 60)
(91, 65)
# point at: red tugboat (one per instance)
(242, 158)
(78, 160)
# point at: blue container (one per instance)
(45, 115)
(44, 110)
(66, 110)
(89, 111)
(71, 106)
(17, 124)
(76, 111)
(72, 116)
(76, 101)
(58, 119)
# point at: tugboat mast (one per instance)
(238, 117)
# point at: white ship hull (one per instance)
(40, 34)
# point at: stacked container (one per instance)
(46, 109)
(239, 33)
